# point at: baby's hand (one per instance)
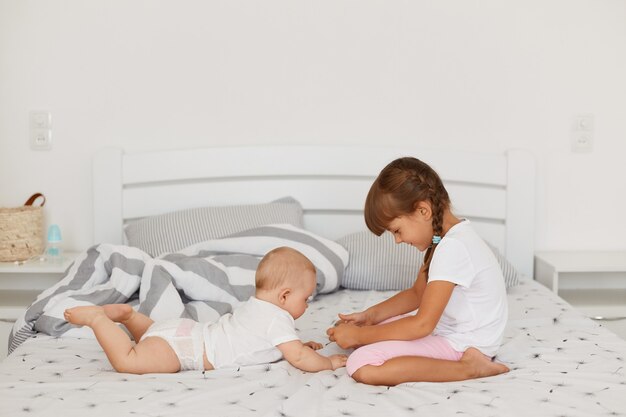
(313, 345)
(360, 318)
(338, 361)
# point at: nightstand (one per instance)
(21, 284)
(594, 282)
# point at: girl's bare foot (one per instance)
(83, 316)
(481, 365)
(119, 313)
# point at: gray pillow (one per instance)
(378, 263)
(171, 232)
(510, 274)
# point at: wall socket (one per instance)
(41, 139)
(40, 127)
(581, 133)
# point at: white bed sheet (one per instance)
(562, 364)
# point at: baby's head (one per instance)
(286, 278)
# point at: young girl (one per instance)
(459, 291)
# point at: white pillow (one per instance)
(378, 263)
(171, 232)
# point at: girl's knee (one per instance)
(363, 356)
(366, 375)
(363, 364)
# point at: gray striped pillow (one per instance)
(511, 276)
(174, 231)
(378, 263)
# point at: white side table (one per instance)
(593, 281)
(21, 284)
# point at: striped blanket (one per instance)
(201, 282)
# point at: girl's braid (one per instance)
(437, 222)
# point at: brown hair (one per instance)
(397, 191)
(280, 265)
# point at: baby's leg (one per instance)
(135, 322)
(151, 355)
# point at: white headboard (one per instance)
(495, 191)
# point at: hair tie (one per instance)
(436, 239)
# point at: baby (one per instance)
(261, 330)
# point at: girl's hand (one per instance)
(361, 318)
(313, 345)
(346, 335)
(338, 361)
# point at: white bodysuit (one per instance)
(248, 336)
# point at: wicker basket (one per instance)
(21, 231)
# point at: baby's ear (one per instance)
(282, 295)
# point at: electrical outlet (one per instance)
(582, 142)
(41, 139)
(40, 123)
(581, 134)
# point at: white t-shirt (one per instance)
(477, 311)
(249, 335)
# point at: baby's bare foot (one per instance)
(481, 365)
(119, 313)
(83, 316)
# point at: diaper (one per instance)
(185, 336)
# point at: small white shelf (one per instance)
(553, 269)
(14, 303)
(584, 261)
(39, 265)
(20, 284)
(592, 281)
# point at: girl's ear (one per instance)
(424, 210)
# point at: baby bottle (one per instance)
(54, 251)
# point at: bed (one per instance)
(562, 363)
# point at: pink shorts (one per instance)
(376, 354)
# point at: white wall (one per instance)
(450, 74)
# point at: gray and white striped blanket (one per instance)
(201, 282)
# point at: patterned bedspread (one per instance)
(562, 364)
